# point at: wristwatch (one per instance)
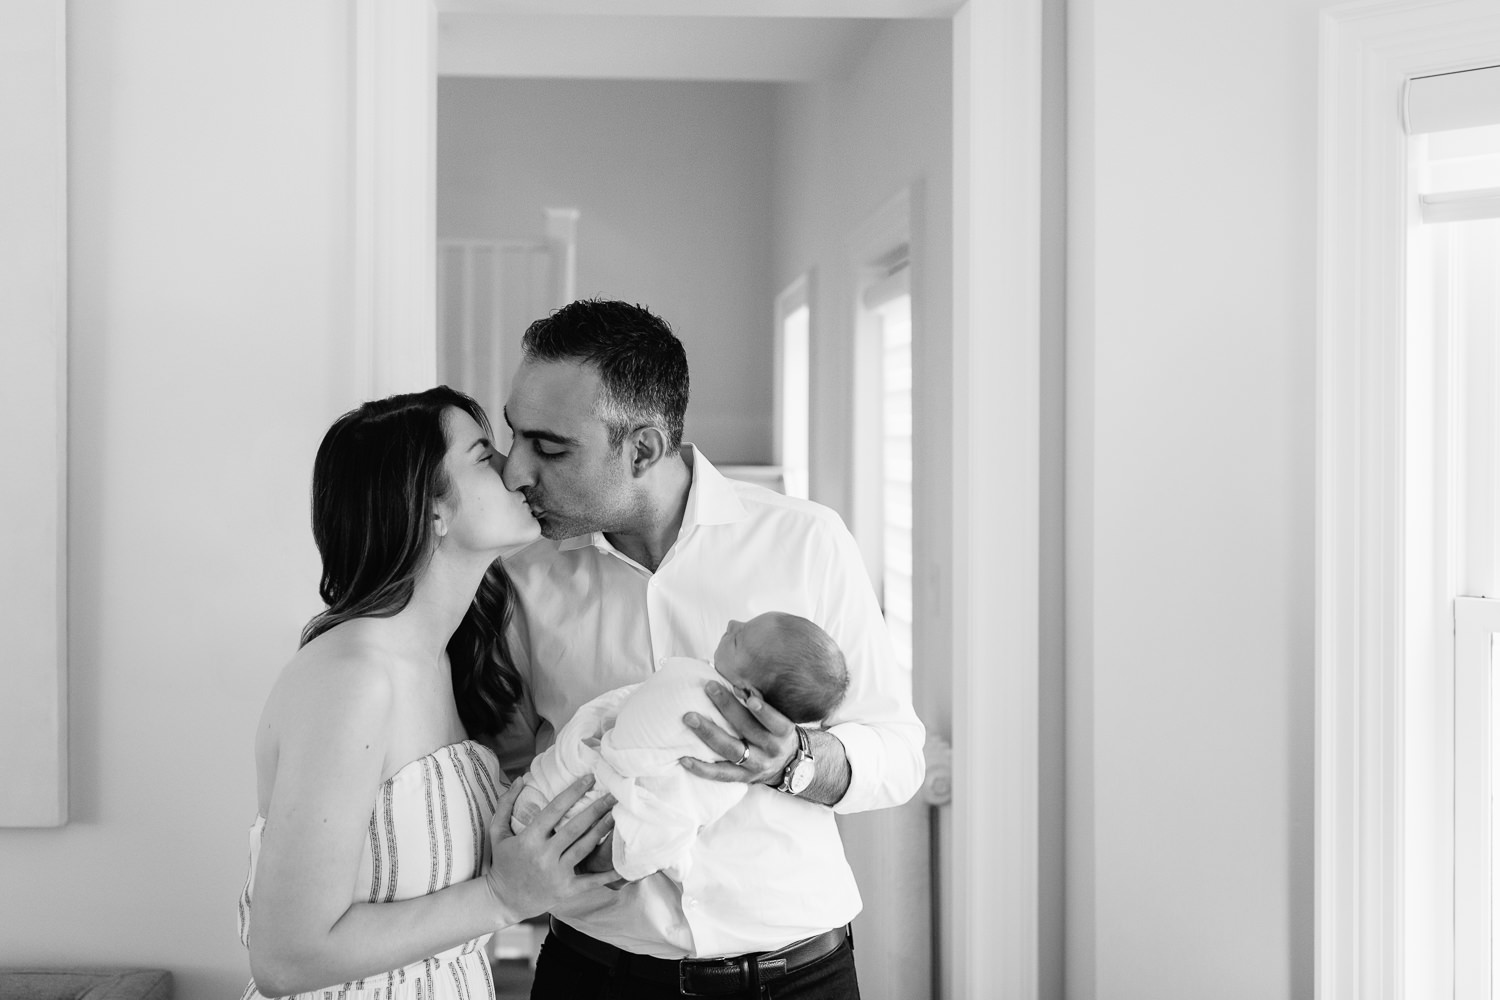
(800, 769)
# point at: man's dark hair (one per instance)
(808, 670)
(642, 367)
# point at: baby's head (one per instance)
(795, 665)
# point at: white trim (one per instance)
(994, 947)
(394, 193)
(711, 8)
(34, 407)
(1475, 622)
(797, 295)
(1461, 206)
(886, 235)
(1374, 506)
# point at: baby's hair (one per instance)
(808, 675)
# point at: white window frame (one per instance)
(1476, 622)
(1384, 789)
(797, 295)
(887, 233)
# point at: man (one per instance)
(647, 553)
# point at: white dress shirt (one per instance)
(631, 740)
(592, 619)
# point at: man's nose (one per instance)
(516, 471)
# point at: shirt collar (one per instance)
(711, 500)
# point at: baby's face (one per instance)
(733, 657)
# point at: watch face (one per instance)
(802, 776)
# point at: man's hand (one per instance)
(757, 751)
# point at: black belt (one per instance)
(706, 977)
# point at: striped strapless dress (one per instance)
(426, 832)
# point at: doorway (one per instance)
(992, 429)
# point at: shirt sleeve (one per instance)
(875, 722)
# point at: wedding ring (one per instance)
(743, 756)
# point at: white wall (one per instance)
(209, 304)
(672, 181)
(1190, 462)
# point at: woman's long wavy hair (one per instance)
(377, 478)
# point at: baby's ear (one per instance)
(747, 692)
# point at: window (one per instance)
(893, 319)
(1455, 293)
(884, 446)
(793, 386)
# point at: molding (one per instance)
(1372, 498)
(1476, 620)
(712, 8)
(994, 947)
(879, 238)
(394, 192)
(796, 295)
(34, 405)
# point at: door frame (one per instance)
(993, 941)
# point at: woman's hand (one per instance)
(532, 871)
(756, 752)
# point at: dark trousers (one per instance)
(564, 974)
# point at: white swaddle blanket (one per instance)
(632, 739)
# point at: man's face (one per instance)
(561, 460)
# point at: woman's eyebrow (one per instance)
(480, 442)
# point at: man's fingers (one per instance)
(744, 722)
(754, 706)
(721, 743)
(713, 772)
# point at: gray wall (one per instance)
(673, 185)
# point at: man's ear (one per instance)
(648, 445)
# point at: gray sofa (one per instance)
(85, 984)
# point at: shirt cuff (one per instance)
(865, 753)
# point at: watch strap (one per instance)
(803, 753)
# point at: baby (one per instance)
(632, 738)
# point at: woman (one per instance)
(376, 709)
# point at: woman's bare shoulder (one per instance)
(344, 674)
